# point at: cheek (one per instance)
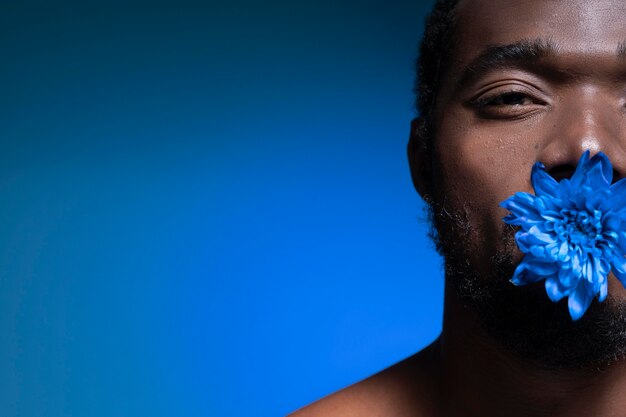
(475, 172)
(487, 161)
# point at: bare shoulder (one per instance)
(406, 388)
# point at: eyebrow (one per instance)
(525, 53)
(522, 53)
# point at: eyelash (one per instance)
(494, 105)
(481, 102)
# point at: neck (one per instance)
(481, 378)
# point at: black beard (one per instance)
(523, 319)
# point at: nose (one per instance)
(585, 120)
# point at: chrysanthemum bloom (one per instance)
(572, 232)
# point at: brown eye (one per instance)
(508, 99)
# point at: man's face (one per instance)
(528, 81)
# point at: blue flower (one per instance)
(571, 232)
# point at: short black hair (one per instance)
(434, 53)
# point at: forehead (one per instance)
(576, 26)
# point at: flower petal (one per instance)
(554, 289)
(580, 171)
(521, 275)
(618, 190)
(600, 172)
(543, 183)
(564, 251)
(611, 221)
(569, 277)
(544, 269)
(604, 290)
(579, 301)
(571, 232)
(521, 205)
(541, 237)
(618, 262)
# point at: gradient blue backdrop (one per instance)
(206, 206)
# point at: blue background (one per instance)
(206, 206)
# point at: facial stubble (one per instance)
(522, 319)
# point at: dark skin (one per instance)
(491, 128)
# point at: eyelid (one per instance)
(479, 103)
(501, 88)
(485, 99)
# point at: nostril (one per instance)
(561, 172)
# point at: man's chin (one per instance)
(522, 318)
(525, 321)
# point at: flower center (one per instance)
(581, 228)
